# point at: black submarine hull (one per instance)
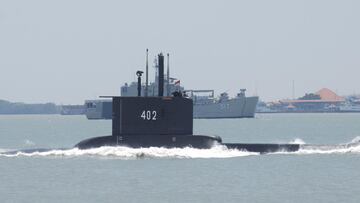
(263, 148)
(194, 141)
(198, 141)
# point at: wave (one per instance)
(134, 153)
(324, 149)
(351, 147)
(356, 140)
(218, 151)
(297, 141)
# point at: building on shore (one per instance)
(324, 100)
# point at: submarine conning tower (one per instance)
(147, 116)
(156, 121)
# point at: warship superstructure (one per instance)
(204, 106)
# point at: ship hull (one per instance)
(167, 141)
(98, 109)
(263, 148)
(242, 107)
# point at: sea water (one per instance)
(326, 169)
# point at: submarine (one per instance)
(163, 121)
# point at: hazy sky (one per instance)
(69, 51)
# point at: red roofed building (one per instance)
(323, 100)
(328, 95)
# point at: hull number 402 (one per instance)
(148, 115)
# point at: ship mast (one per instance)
(293, 89)
(156, 81)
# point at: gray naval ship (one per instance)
(205, 104)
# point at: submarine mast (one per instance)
(168, 77)
(161, 75)
(147, 73)
(139, 74)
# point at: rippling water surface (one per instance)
(326, 168)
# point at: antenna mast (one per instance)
(293, 89)
(147, 73)
(168, 77)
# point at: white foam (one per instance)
(297, 141)
(329, 151)
(326, 149)
(335, 149)
(133, 153)
(355, 140)
(218, 151)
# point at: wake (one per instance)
(133, 153)
(352, 147)
(218, 151)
